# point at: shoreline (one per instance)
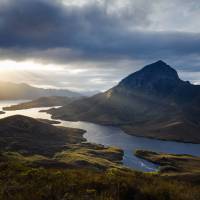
(175, 165)
(125, 131)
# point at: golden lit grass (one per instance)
(21, 182)
(86, 155)
(90, 155)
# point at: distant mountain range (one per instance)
(13, 91)
(153, 102)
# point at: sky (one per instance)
(86, 45)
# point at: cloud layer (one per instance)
(97, 35)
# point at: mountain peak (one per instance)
(160, 62)
(157, 76)
(159, 68)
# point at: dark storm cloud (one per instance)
(65, 33)
(47, 24)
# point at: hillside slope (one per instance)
(37, 143)
(153, 102)
(31, 136)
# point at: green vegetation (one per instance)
(21, 182)
(91, 156)
(33, 168)
(76, 157)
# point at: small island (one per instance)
(178, 165)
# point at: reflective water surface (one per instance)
(113, 136)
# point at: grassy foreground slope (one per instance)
(21, 182)
(31, 168)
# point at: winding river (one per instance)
(113, 136)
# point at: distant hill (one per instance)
(13, 91)
(152, 102)
(42, 102)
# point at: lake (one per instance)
(113, 136)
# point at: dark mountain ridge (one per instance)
(152, 102)
(150, 75)
(159, 79)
